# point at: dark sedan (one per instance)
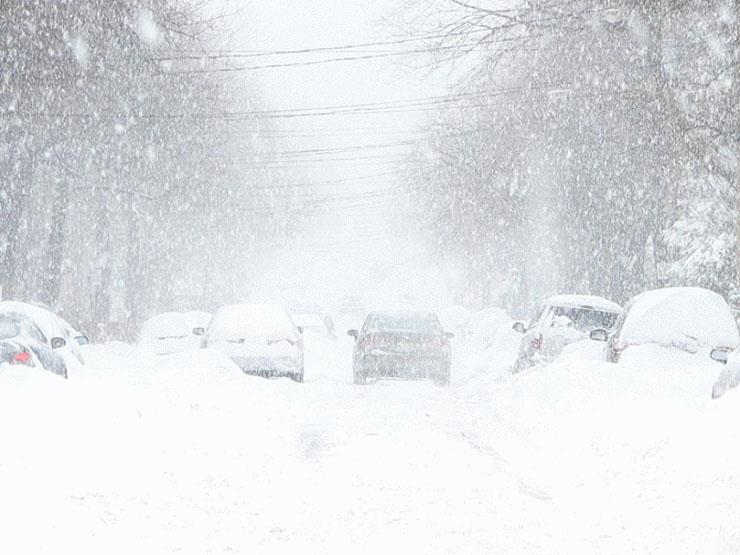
(408, 345)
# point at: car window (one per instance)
(586, 319)
(34, 332)
(419, 323)
(537, 317)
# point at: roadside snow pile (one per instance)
(673, 316)
(185, 453)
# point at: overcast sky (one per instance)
(339, 247)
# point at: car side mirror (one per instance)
(719, 355)
(449, 335)
(519, 327)
(82, 340)
(300, 329)
(353, 333)
(57, 342)
(599, 334)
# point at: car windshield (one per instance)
(418, 323)
(9, 327)
(586, 319)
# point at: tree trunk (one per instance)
(55, 249)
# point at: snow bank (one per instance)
(673, 315)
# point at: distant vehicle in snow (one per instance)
(396, 344)
(455, 318)
(261, 339)
(562, 320)
(684, 318)
(170, 332)
(483, 327)
(315, 325)
(23, 343)
(352, 311)
(51, 326)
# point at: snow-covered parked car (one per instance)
(410, 345)
(260, 338)
(561, 321)
(23, 343)
(52, 326)
(315, 326)
(168, 333)
(688, 319)
(483, 327)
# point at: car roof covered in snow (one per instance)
(590, 301)
(241, 320)
(308, 321)
(167, 324)
(49, 323)
(667, 316)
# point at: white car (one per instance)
(688, 319)
(562, 320)
(313, 325)
(168, 333)
(261, 339)
(52, 326)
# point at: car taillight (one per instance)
(24, 357)
(537, 342)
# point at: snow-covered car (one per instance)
(315, 325)
(410, 345)
(169, 333)
(685, 318)
(51, 326)
(23, 343)
(483, 327)
(352, 311)
(562, 320)
(260, 338)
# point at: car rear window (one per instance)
(423, 323)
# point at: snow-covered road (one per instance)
(185, 454)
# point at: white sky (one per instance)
(339, 247)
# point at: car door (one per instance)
(39, 344)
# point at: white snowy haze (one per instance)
(342, 137)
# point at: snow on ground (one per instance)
(184, 453)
